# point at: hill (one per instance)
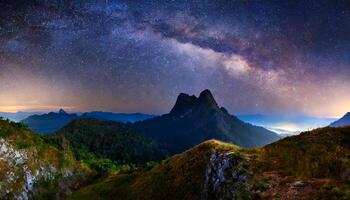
(194, 174)
(31, 168)
(194, 120)
(344, 121)
(313, 165)
(117, 141)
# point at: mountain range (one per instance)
(18, 116)
(51, 122)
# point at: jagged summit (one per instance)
(185, 102)
(61, 111)
(207, 99)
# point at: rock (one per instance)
(298, 184)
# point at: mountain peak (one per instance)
(61, 111)
(183, 103)
(186, 102)
(207, 98)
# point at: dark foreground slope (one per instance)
(314, 165)
(194, 120)
(117, 141)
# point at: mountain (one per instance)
(312, 165)
(49, 123)
(17, 116)
(344, 121)
(52, 122)
(114, 140)
(195, 119)
(32, 168)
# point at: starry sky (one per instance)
(136, 56)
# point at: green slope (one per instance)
(313, 165)
(113, 140)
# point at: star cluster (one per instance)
(136, 56)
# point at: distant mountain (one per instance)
(17, 116)
(194, 120)
(52, 122)
(49, 123)
(344, 121)
(114, 140)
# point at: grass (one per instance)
(318, 158)
(180, 177)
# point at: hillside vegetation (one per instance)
(313, 165)
(116, 141)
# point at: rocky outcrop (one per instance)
(226, 177)
(22, 172)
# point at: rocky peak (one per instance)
(183, 103)
(186, 102)
(61, 111)
(206, 98)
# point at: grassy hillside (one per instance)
(189, 175)
(32, 168)
(313, 165)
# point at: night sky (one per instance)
(136, 56)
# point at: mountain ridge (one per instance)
(51, 122)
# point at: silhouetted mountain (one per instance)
(49, 123)
(52, 122)
(194, 120)
(344, 121)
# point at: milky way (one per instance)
(136, 56)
